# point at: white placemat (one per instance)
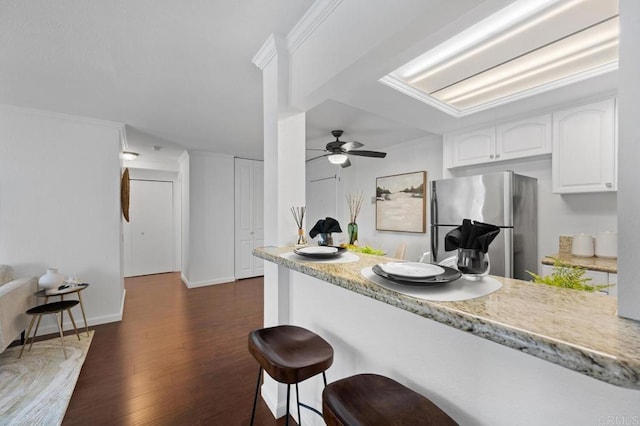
(459, 289)
(345, 257)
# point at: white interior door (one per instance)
(258, 214)
(149, 234)
(249, 217)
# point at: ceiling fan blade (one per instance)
(319, 156)
(363, 153)
(348, 146)
(345, 164)
(315, 149)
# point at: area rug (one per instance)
(36, 389)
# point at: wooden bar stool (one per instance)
(370, 399)
(51, 308)
(289, 354)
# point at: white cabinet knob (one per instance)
(491, 156)
(608, 185)
(497, 155)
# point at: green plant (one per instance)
(566, 275)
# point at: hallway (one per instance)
(178, 357)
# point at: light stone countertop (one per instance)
(592, 263)
(573, 329)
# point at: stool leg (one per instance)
(33, 318)
(72, 322)
(298, 404)
(324, 377)
(59, 320)
(287, 413)
(255, 398)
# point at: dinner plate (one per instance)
(320, 252)
(448, 275)
(411, 269)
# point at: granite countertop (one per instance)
(592, 263)
(577, 330)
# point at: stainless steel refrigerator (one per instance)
(504, 199)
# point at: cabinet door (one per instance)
(524, 138)
(584, 148)
(473, 147)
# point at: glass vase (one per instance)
(352, 231)
(474, 264)
(325, 239)
(302, 241)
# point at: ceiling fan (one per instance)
(337, 151)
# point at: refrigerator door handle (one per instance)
(434, 221)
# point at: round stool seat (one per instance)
(370, 399)
(53, 307)
(290, 354)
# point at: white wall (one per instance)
(629, 153)
(211, 219)
(60, 203)
(557, 214)
(185, 210)
(412, 156)
(566, 214)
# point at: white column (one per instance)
(628, 157)
(284, 187)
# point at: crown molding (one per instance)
(310, 21)
(61, 116)
(402, 87)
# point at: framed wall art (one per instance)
(401, 202)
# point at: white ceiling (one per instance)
(180, 71)
(179, 74)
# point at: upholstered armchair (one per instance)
(16, 297)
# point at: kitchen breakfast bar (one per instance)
(525, 354)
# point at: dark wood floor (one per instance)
(178, 357)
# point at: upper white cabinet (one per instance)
(508, 141)
(473, 147)
(524, 138)
(584, 148)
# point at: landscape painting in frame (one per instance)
(400, 202)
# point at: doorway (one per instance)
(148, 237)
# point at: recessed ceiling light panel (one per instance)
(527, 48)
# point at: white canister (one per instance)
(582, 245)
(607, 245)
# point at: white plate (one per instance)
(318, 250)
(411, 269)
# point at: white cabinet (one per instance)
(518, 139)
(472, 147)
(524, 138)
(249, 217)
(585, 148)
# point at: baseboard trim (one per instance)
(277, 408)
(205, 283)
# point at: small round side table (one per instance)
(69, 290)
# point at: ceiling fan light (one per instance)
(337, 158)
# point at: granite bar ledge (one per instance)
(576, 330)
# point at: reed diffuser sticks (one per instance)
(298, 215)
